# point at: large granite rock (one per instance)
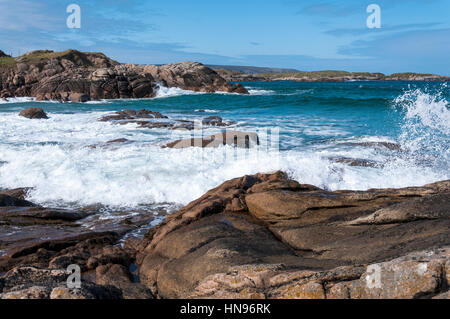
(266, 236)
(192, 76)
(259, 236)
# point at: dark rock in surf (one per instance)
(357, 162)
(132, 115)
(387, 145)
(232, 138)
(118, 141)
(238, 88)
(215, 121)
(146, 119)
(34, 113)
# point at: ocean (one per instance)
(398, 133)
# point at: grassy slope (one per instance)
(35, 57)
(320, 74)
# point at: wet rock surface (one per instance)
(154, 120)
(356, 162)
(38, 244)
(231, 138)
(133, 115)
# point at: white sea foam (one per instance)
(260, 92)
(426, 127)
(207, 111)
(164, 92)
(54, 157)
(17, 100)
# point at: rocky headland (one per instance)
(80, 77)
(259, 236)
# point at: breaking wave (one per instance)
(55, 157)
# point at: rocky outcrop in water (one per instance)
(231, 138)
(149, 119)
(79, 77)
(34, 113)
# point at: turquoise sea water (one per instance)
(401, 129)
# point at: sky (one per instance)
(302, 34)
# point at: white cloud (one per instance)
(21, 15)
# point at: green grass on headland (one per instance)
(320, 74)
(7, 61)
(42, 56)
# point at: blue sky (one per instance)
(302, 34)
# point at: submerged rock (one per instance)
(386, 145)
(214, 121)
(148, 119)
(132, 115)
(34, 113)
(358, 162)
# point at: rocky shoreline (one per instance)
(259, 236)
(81, 77)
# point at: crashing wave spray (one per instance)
(426, 126)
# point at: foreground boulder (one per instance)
(132, 115)
(34, 113)
(266, 236)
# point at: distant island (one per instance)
(247, 73)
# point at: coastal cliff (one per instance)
(79, 77)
